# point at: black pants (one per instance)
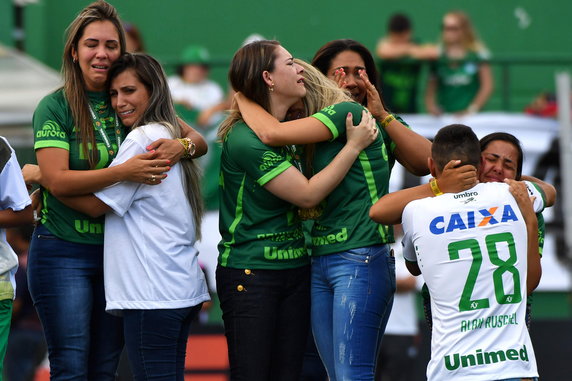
(266, 316)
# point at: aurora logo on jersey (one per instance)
(468, 220)
(50, 129)
(269, 159)
(453, 362)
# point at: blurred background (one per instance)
(529, 41)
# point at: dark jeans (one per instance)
(66, 284)
(266, 316)
(156, 342)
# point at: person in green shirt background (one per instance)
(400, 59)
(461, 80)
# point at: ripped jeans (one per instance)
(352, 295)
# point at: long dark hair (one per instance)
(160, 110)
(325, 55)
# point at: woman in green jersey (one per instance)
(77, 134)
(461, 80)
(263, 270)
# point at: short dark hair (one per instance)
(399, 23)
(456, 142)
(509, 138)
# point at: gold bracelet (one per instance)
(388, 119)
(435, 187)
(189, 147)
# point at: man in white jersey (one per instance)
(472, 249)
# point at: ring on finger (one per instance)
(153, 178)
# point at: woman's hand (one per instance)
(374, 102)
(364, 133)
(525, 202)
(340, 78)
(146, 168)
(32, 174)
(457, 179)
(168, 149)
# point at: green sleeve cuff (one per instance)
(329, 124)
(541, 191)
(274, 173)
(52, 144)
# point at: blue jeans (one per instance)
(352, 295)
(66, 283)
(156, 342)
(266, 316)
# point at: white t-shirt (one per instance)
(13, 195)
(150, 261)
(200, 95)
(472, 250)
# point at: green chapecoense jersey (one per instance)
(54, 127)
(345, 223)
(258, 229)
(458, 81)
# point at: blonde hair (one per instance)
(470, 38)
(74, 84)
(321, 92)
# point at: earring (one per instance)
(74, 59)
(271, 87)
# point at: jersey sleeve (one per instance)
(49, 121)
(13, 191)
(534, 190)
(261, 162)
(120, 196)
(334, 117)
(407, 240)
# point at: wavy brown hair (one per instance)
(74, 84)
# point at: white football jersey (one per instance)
(472, 250)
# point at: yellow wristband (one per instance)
(435, 187)
(388, 119)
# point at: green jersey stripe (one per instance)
(52, 144)
(328, 123)
(371, 187)
(274, 173)
(237, 217)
